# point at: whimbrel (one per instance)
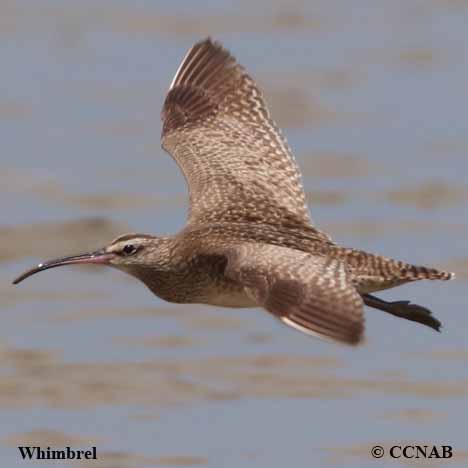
(249, 240)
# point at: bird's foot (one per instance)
(414, 312)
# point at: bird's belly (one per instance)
(236, 298)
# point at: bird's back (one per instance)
(369, 272)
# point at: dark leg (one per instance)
(404, 309)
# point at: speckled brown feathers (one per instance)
(218, 128)
(248, 212)
(249, 240)
(311, 293)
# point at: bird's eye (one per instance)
(129, 249)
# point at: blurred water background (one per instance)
(373, 99)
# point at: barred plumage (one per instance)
(218, 128)
(249, 239)
(245, 186)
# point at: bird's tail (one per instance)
(414, 272)
(371, 265)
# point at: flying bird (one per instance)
(249, 240)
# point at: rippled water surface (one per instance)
(373, 99)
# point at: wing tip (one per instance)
(190, 68)
(206, 75)
(208, 41)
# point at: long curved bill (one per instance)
(98, 257)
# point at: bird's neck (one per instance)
(165, 270)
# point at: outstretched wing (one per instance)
(310, 293)
(217, 127)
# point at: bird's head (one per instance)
(130, 253)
